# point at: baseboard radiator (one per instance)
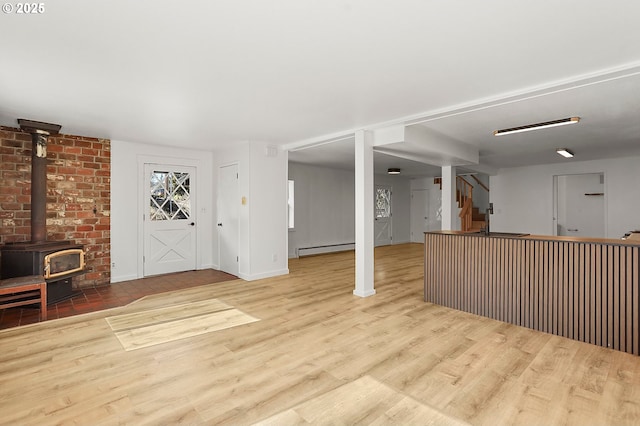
(328, 248)
(584, 291)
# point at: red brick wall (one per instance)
(78, 196)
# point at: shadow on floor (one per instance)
(91, 299)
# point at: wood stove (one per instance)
(56, 261)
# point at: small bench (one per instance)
(22, 291)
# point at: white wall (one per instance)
(126, 247)
(325, 206)
(523, 196)
(324, 211)
(268, 210)
(262, 181)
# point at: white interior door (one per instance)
(228, 212)
(383, 215)
(169, 219)
(419, 214)
(580, 205)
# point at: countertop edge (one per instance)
(585, 240)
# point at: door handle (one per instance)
(220, 224)
(192, 224)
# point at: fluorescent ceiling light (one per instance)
(537, 126)
(564, 152)
(393, 171)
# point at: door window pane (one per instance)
(383, 202)
(169, 196)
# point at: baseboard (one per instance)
(401, 242)
(208, 266)
(330, 248)
(253, 277)
(120, 278)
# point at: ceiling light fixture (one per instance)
(537, 126)
(564, 152)
(393, 171)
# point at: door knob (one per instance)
(192, 224)
(220, 224)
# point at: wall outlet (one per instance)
(113, 265)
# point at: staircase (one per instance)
(477, 220)
(471, 220)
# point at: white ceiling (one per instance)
(207, 74)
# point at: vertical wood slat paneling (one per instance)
(610, 313)
(628, 318)
(598, 312)
(584, 291)
(580, 286)
(636, 302)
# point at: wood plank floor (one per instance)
(171, 322)
(314, 338)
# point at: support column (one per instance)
(449, 205)
(364, 214)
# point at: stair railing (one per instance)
(485, 187)
(464, 197)
(466, 215)
(464, 191)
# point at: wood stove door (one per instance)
(169, 219)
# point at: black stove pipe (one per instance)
(39, 133)
(38, 190)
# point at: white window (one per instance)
(290, 204)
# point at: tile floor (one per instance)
(112, 295)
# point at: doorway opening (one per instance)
(579, 205)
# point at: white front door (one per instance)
(382, 211)
(228, 211)
(169, 219)
(419, 214)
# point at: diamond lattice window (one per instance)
(169, 196)
(383, 202)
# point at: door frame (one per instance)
(554, 216)
(142, 201)
(218, 191)
(412, 207)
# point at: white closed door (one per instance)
(229, 202)
(169, 219)
(419, 214)
(383, 215)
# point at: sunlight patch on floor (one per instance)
(169, 323)
(363, 401)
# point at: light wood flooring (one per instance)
(317, 355)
